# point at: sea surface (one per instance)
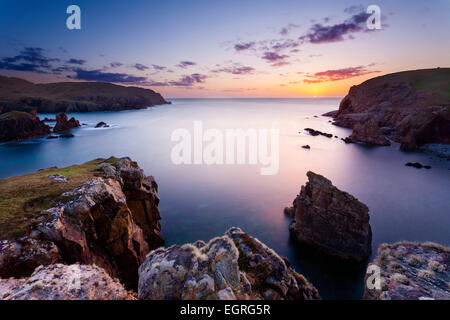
(202, 201)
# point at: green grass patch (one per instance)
(23, 197)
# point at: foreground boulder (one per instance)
(412, 107)
(64, 124)
(16, 125)
(104, 212)
(331, 220)
(409, 271)
(62, 282)
(234, 266)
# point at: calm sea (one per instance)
(202, 201)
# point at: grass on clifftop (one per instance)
(23, 197)
(13, 115)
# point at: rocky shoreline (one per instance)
(399, 107)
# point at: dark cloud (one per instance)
(338, 74)
(189, 81)
(99, 75)
(140, 67)
(244, 46)
(29, 59)
(184, 64)
(158, 68)
(319, 33)
(76, 61)
(278, 45)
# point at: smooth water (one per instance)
(201, 201)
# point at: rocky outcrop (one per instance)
(102, 124)
(64, 124)
(20, 257)
(409, 271)
(234, 266)
(412, 108)
(314, 133)
(369, 133)
(16, 125)
(112, 221)
(64, 282)
(331, 220)
(69, 97)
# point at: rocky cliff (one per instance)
(409, 271)
(111, 219)
(234, 266)
(69, 97)
(331, 220)
(17, 125)
(412, 108)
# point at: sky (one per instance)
(232, 48)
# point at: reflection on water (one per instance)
(201, 201)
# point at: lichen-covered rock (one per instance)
(410, 271)
(64, 282)
(331, 220)
(234, 266)
(20, 257)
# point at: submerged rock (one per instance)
(409, 271)
(317, 132)
(63, 282)
(331, 220)
(234, 266)
(64, 124)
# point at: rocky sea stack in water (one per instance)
(64, 124)
(104, 212)
(19, 94)
(17, 125)
(409, 271)
(331, 220)
(411, 107)
(234, 266)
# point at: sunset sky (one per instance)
(233, 48)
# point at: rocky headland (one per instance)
(410, 271)
(411, 108)
(17, 125)
(69, 97)
(331, 220)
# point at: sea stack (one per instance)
(331, 220)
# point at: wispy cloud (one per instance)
(236, 69)
(275, 59)
(189, 80)
(76, 61)
(29, 59)
(99, 75)
(185, 64)
(140, 67)
(338, 74)
(244, 46)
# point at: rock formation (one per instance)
(64, 282)
(369, 133)
(331, 220)
(16, 125)
(234, 266)
(409, 271)
(111, 220)
(64, 124)
(69, 97)
(412, 108)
